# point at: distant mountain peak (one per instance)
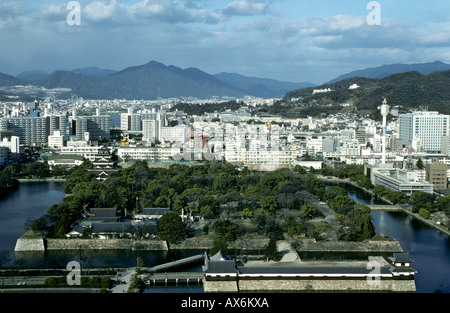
(93, 71)
(390, 69)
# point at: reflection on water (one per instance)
(30, 200)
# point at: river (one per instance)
(429, 248)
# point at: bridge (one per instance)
(176, 278)
(174, 264)
(385, 207)
(154, 275)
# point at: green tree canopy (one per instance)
(171, 228)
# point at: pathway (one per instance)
(123, 280)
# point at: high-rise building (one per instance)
(95, 127)
(428, 127)
(151, 130)
(445, 146)
(30, 130)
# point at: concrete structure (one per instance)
(425, 127)
(437, 175)
(401, 180)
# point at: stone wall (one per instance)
(30, 244)
(244, 243)
(105, 244)
(310, 245)
(306, 285)
(309, 285)
(220, 286)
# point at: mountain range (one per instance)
(408, 90)
(391, 69)
(154, 79)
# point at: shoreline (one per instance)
(401, 208)
(40, 180)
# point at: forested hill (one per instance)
(408, 90)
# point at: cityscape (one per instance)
(330, 177)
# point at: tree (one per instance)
(421, 200)
(359, 223)
(171, 228)
(225, 230)
(341, 204)
(219, 244)
(424, 213)
(271, 251)
(419, 164)
(332, 192)
(380, 191)
(309, 211)
(58, 171)
(269, 203)
(293, 227)
(396, 197)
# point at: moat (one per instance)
(429, 248)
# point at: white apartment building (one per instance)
(152, 154)
(130, 122)
(56, 140)
(428, 127)
(151, 130)
(314, 145)
(177, 133)
(445, 145)
(350, 148)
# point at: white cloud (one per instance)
(99, 10)
(246, 8)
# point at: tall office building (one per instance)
(428, 127)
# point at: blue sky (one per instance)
(293, 40)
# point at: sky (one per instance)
(289, 40)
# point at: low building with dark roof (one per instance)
(93, 215)
(151, 213)
(377, 275)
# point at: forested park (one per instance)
(232, 201)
